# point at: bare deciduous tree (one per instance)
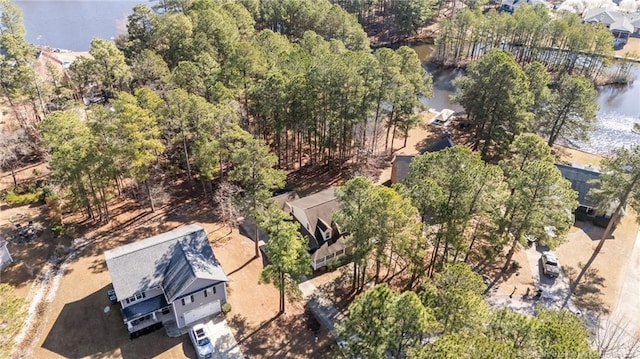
(227, 209)
(13, 144)
(615, 337)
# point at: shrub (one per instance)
(226, 308)
(23, 198)
(57, 230)
(515, 265)
(48, 194)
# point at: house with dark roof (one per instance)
(171, 280)
(622, 25)
(400, 163)
(313, 212)
(582, 181)
(511, 5)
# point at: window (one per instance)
(135, 297)
(209, 291)
(166, 310)
(187, 300)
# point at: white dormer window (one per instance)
(326, 234)
(134, 298)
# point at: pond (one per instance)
(619, 107)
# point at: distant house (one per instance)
(511, 5)
(400, 163)
(581, 178)
(442, 118)
(313, 212)
(622, 25)
(171, 280)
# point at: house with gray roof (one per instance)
(622, 25)
(313, 212)
(171, 280)
(400, 163)
(582, 180)
(511, 5)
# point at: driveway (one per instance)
(555, 291)
(223, 340)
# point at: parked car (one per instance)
(201, 342)
(550, 264)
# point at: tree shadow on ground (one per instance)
(84, 328)
(429, 140)
(594, 232)
(313, 178)
(287, 335)
(339, 292)
(588, 294)
(310, 179)
(29, 255)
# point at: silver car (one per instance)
(550, 265)
(201, 341)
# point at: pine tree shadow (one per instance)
(588, 294)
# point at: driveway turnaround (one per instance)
(224, 342)
(555, 291)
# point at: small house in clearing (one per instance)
(582, 181)
(326, 241)
(511, 5)
(171, 280)
(400, 163)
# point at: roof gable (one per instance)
(601, 15)
(166, 260)
(191, 261)
(310, 210)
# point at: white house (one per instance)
(171, 280)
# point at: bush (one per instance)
(515, 265)
(48, 194)
(57, 230)
(23, 198)
(226, 308)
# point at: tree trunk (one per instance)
(186, 158)
(13, 175)
(354, 283)
(257, 237)
(153, 206)
(281, 309)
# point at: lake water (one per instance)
(619, 107)
(72, 24)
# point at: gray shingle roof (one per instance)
(168, 260)
(580, 178)
(614, 19)
(401, 163)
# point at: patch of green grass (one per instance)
(12, 310)
(23, 198)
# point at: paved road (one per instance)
(627, 306)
